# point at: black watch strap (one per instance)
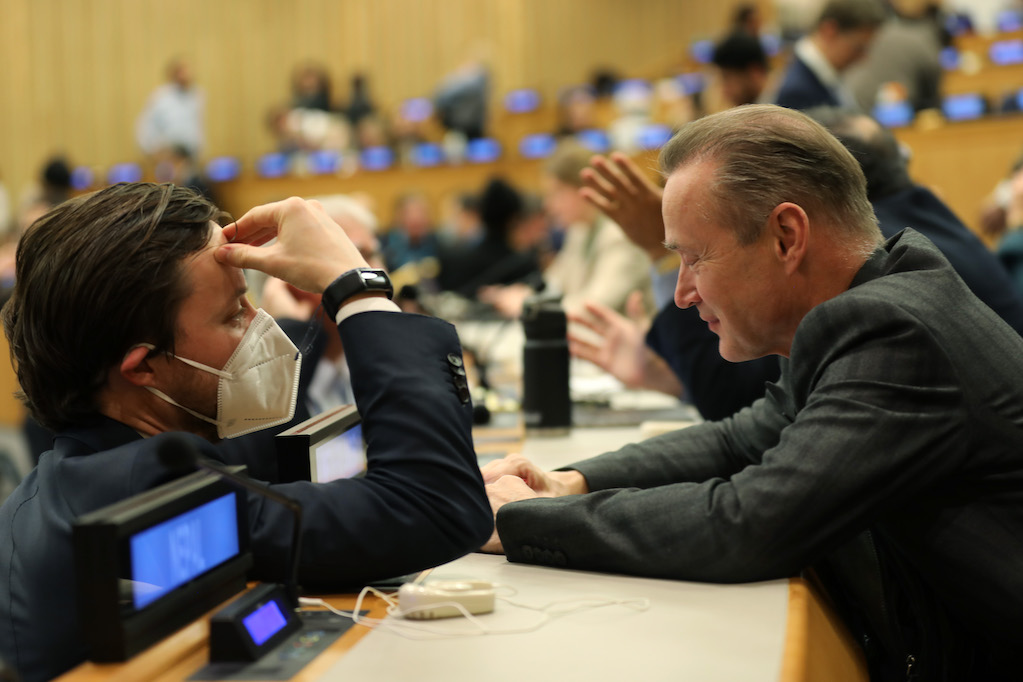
(355, 282)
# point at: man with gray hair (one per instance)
(840, 38)
(888, 457)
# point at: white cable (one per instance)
(417, 630)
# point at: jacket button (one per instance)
(455, 360)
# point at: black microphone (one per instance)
(178, 454)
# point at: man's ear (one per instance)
(790, 234)
(135, 367)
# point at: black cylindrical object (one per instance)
(546, 405)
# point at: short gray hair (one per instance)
(341, 204)
(766, 155)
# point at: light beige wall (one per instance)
(74, 74)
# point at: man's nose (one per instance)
(685, 288)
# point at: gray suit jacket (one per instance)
(900, 410)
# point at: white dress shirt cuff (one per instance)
(365, 305)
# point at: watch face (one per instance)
(374, 278)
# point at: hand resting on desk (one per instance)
(515, 478)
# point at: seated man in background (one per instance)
(719, 388)
(840, 38)
(889, 456)
(130, 319)
(742, 68)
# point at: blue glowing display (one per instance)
(223, 168)
(264, 622)
(124, 172)
(171, 553)
(963, 107)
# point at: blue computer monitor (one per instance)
(964, 107)
(323, 162)
(537, 146)
(124, 172)
(894, 114)
(427, 155)
(597, 141)
(653, 136)
(522, 101)
(323, 448)
(702, 51)
(483, 150)
(223, 168)
(1009, 20)
(376, 158)
(416, 109)
(273, 165)
(691, 83)
(1006, 52)
(82, 178)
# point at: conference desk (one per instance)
(776, 630)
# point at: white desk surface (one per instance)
(692, 631)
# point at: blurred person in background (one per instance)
(904, 60)
(411, 238)
(576, 111)
(742, 68)
(596, 262)
(173, 115)
(359, 104)
(501, 256)
(310, 87)
(841, 36)
(460, 223)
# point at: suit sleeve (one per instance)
(701, 505)
(422, 501)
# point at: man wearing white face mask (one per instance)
(130, 320)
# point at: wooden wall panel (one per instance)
(74, 74)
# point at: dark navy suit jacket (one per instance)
(421, 503)
(719, 388)
(801, 89)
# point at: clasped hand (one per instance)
(516, 478)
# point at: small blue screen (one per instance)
(595, 140)
(522, 101)
(963, 107)
(653, 136)
(81, 178)
(894, 114)
(702, 51)
(264, 622)
(272, 165)
(1006, 52)
(376, 158)
(124, 172)
(223, 168)
(323, 162)
(177, 550)
(537, 146)
(427, 155)
(483, 150)
(416, 109)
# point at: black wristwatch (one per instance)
(355, 282)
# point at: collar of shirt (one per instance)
(815, 60)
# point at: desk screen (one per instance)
(343, 456)
(264, 622)
(169, 554)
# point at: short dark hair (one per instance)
(852, 15)
(766, 155)
(738, 52)
(93, 277)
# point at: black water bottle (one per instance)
(546, 405)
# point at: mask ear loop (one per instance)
(312, 331)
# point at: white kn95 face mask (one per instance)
(258, 385)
